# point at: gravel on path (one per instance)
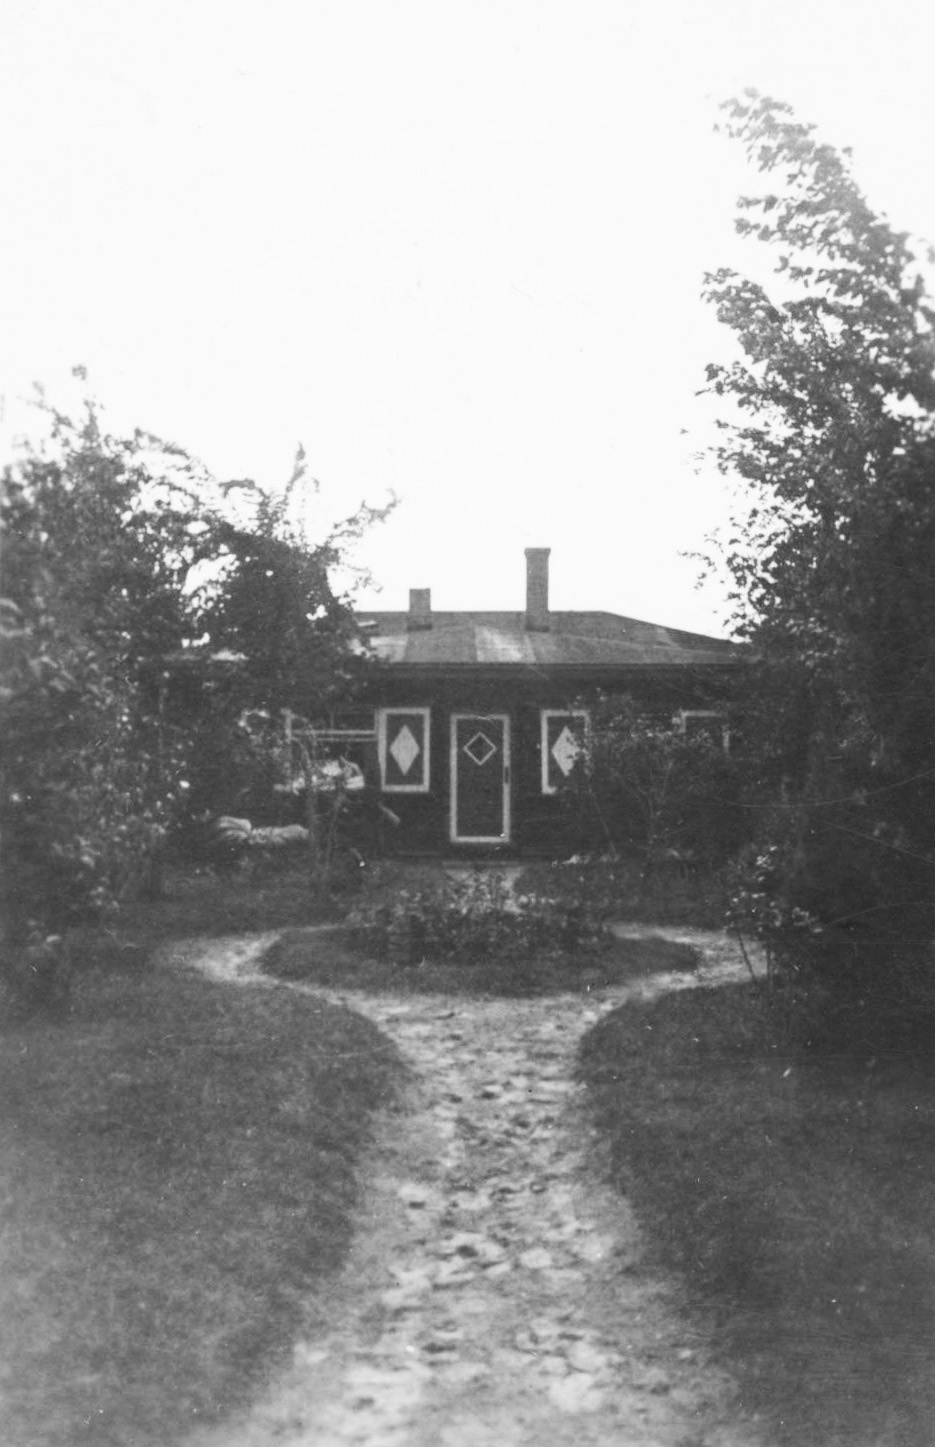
(498, 1292)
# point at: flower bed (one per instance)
(476, 917)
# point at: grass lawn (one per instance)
(177, 1181)
(794, 1189)
(255, 894)
(330, 959)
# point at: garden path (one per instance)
(497, 1294)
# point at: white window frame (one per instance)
(544, 715)
(425, 782)
(684, 714)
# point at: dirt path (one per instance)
(497, 1294)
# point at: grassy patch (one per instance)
(177, 1181)
(794, 1190)
(330, 958)
(255, 894)
(617, 888)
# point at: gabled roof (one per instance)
(580, 640)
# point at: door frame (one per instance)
(505, 836)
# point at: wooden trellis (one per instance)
(324, 794)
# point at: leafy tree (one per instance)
(831, 432)
(655, 793)
(271, 603)
(120, 556)
(98, 536)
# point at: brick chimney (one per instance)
(420, 609)
(537, 589)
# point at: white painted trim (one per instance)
(505, 837)
(338, 736)
(425, 783)
(544, 715)
(684, 714)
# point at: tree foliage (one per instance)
(273, 599)
(650, 790)
(124, 571)
(830, 428)
(270, 603)
(98, 534)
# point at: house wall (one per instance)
(426, 818)
(540, 822)
(537, 822)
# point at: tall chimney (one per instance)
(537, 589)
(420, 609)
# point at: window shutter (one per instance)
(704, 723)
(405, 744)
(564, 736)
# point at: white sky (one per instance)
(454, 249)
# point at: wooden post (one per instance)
(312, 820)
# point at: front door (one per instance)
(480, 778)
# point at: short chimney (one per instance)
(537, 589)
(420, 609)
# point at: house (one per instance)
(476, 718)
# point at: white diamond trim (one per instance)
(405, 749)
(565, 750)
(556, 753)
(484, 751)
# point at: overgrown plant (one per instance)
(476, 918)
(145, 607)
(649, 790)
(830, 429)
(98, 535)
(272, 600)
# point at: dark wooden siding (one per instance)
(541, 824)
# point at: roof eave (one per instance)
(590, 670)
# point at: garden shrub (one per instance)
(649, 791)
(829, 562)
(44, 975)
(846, 924)
(476, 917)
(616, 886)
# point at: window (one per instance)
(351, 723)
(706, 723)
(404, 742)
(564, 737)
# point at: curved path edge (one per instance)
(498, 1292)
